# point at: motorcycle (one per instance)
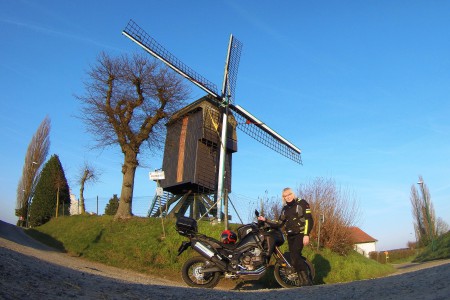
(243, 256)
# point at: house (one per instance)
(362, 242)
(74, 205)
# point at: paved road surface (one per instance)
(31, 270)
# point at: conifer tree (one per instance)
(52, 196)
(112, 206)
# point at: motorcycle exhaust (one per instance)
(203, 250)
(256, 272)
(248, 275)
(207, 253)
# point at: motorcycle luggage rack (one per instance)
(186, 226)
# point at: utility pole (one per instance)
(321, 220)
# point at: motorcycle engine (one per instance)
(251, 259)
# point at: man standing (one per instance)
(297, 219)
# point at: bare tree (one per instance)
(423, 213)
(337, 205)
(87, 174)
(269, 207)
(339, 210)
(35, 157)
(441, 227)
(126, 102)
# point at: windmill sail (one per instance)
(149, 44)
(247, 123)
(258, 130)
(231, 69)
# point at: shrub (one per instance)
(112, 206)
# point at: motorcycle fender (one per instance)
(183, 247)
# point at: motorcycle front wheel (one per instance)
(192, 274)
(287, 277)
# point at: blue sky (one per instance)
(362, 87)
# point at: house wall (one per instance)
(365, 248)
(74, 205)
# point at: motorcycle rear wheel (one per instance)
(192, 276)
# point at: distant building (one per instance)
(74, 205)
(362, 242)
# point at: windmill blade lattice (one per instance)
(139, 36)
(233, 65)
(257, 130)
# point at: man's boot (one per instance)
(304, 279)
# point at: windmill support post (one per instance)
(210, 208)
(221, 177)
(225, 208)
(235, 210)
(158, 186)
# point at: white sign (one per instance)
(159, 191)
(157, 175)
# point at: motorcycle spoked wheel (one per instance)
(287, 277)
(192, 276)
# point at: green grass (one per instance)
(138, 244)
(440, 249)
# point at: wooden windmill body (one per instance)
(202, 136)
(191, 156)
(191, 151)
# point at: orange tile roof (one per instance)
(360, 236)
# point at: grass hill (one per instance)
(440, 250)
(150, 245)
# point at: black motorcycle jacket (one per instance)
(296, 217)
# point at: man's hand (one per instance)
(306, 240)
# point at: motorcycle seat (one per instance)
(226, 246)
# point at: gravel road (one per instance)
(31, 270)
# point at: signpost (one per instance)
(158, 175)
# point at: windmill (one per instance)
(214, 112)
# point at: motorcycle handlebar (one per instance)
(261, 223)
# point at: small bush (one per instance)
(112, 206)
(394, 256)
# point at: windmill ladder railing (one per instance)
(155, 206)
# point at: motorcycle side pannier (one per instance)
(186, 226)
